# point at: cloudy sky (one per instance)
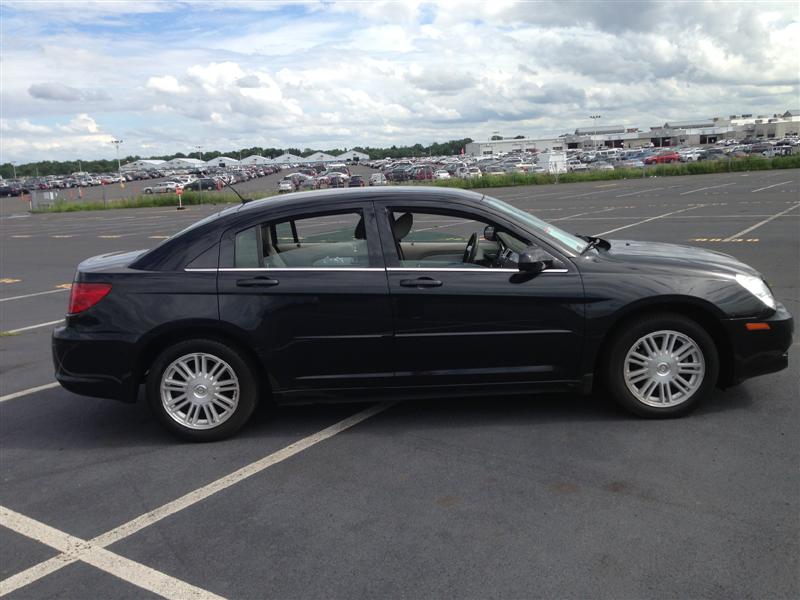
(168, 76)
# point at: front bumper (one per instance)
(94, 366)
(761, 351)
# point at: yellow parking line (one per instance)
(108, 237)
(9, 280)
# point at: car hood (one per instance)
(676, 255)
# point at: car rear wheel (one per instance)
(202, 390)
(662, 366)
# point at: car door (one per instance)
(309, 288)
(458, 323)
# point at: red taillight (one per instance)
(84, 296)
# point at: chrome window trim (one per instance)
(361, 269)
(468, 270)
(274, 269)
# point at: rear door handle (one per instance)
(260, 281)
(421, 282)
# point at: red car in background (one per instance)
(663, 157)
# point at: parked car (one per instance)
(357, 181)
(668, 156)
(161, 188)
(285, 185)
(206, 183)
(377, 179)
(691, 156)
(441, 174)
(600, 165)
(329, 294)
(713, 154)
(11, 189)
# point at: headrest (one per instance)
(361, 231)
(402, 225)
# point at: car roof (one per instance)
(334, 196)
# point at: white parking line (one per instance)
(761, 189)
(32, 295)
(33, 390)
(759, 224)
(674, 212)
(51, 565)
(591, 212)
(29, 327)
(640, 192)
(710, 187)
(128, 570)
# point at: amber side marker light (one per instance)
(756, 326)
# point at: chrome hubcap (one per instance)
(199, 391)
(664, 368)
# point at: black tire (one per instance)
(244, 371)
(613, 372)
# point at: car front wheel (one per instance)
(202, 390)
(662, 366)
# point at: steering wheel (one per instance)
(471, 251)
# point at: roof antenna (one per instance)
(236, 192)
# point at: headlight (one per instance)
(758, 288)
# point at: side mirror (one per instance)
(534, 260)
(489, 233)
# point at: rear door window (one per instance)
(313, 242)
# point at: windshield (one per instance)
(572, 242)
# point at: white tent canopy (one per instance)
(288, 158)
(318, 157)
(352, 155)
(184, 163)
(145, 164)
(222, 161)
(255, 159)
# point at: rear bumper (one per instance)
(89, 366)
(762, 351)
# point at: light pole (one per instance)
(594, 119)
(119, 168)
(14, 166)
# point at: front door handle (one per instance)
(260, 281)
(421, 282)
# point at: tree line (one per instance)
(65, 167)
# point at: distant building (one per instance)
(255, 159)
(352, 155)
(146, 164)
(320, 157)
(692, 132)
(513, 145)
(287, 158)
(222, 161)
(184, 163)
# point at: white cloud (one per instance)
(166, 84)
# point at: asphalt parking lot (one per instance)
(553, 496)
